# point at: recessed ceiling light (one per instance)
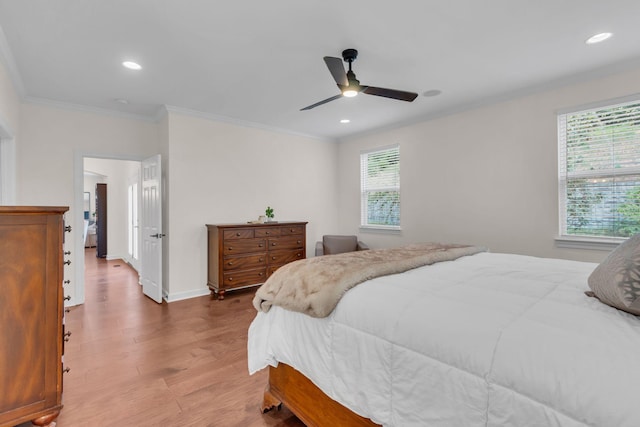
(132, 65)
(598, 38)
(432, 92)
(345, 121)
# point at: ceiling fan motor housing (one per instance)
(349, 55)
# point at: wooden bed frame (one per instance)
(309, 403)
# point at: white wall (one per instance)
(9, 100)
(52, 143)
(222, 173)
(487, 176)
(116, 175)
(9, 129)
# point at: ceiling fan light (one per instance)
(350, 93)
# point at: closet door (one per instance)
(101, 220)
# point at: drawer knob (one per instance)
(67, 298)
(238, 234)
(266, 232)
(292, 230)
(260, 245)
(230, 247)
(273, 244)
(229, 263)
(299, 254)
(273, 257)
(261, 260)
(299, 241)
(260, 274)
(65, 370)
(230, 279)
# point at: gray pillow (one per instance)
(616, 281)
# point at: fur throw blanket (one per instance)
(315, 285)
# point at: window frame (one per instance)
(364, 190)
(574, 241)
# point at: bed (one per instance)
(483, 340)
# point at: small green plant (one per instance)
(269, 212)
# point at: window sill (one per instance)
(588, 242)
(381, 229)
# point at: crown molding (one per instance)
(87, 109)
(6, 57)
(585, 76)
(243, 123)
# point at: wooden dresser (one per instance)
(244, 255)
(31, 314)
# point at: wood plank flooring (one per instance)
(138, 363)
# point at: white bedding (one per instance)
(486, 340)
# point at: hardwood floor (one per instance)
(137, 363)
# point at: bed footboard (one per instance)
(306, 400)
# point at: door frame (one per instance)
(78, 215)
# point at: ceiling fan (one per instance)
(350, 86)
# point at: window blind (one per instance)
(380, 185)
(599, 171)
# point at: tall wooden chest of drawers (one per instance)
(31, 314)
(244, 255)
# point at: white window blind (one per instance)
(599, 171)
(380, 184)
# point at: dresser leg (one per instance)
(46, 420)
(220, 294)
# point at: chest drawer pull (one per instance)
(67, 298)
(65, 370)
(68, 262)
(66, 336)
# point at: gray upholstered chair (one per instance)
(332, 244)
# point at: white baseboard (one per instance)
(177, 296)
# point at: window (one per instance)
(380, 184)
(599, 171)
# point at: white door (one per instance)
(151, 224)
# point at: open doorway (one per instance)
(134, 231)
(112, 221)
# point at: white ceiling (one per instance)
(258, 62)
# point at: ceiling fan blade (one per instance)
(337, 70)
(390, 93)
(321, 102)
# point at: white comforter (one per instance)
(486, 340)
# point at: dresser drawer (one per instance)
(238, 234)
(244, 246)
(237, 279)
(244, 262)
(283, 257)
(287, 231)
(286, 243)
(267, 232)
